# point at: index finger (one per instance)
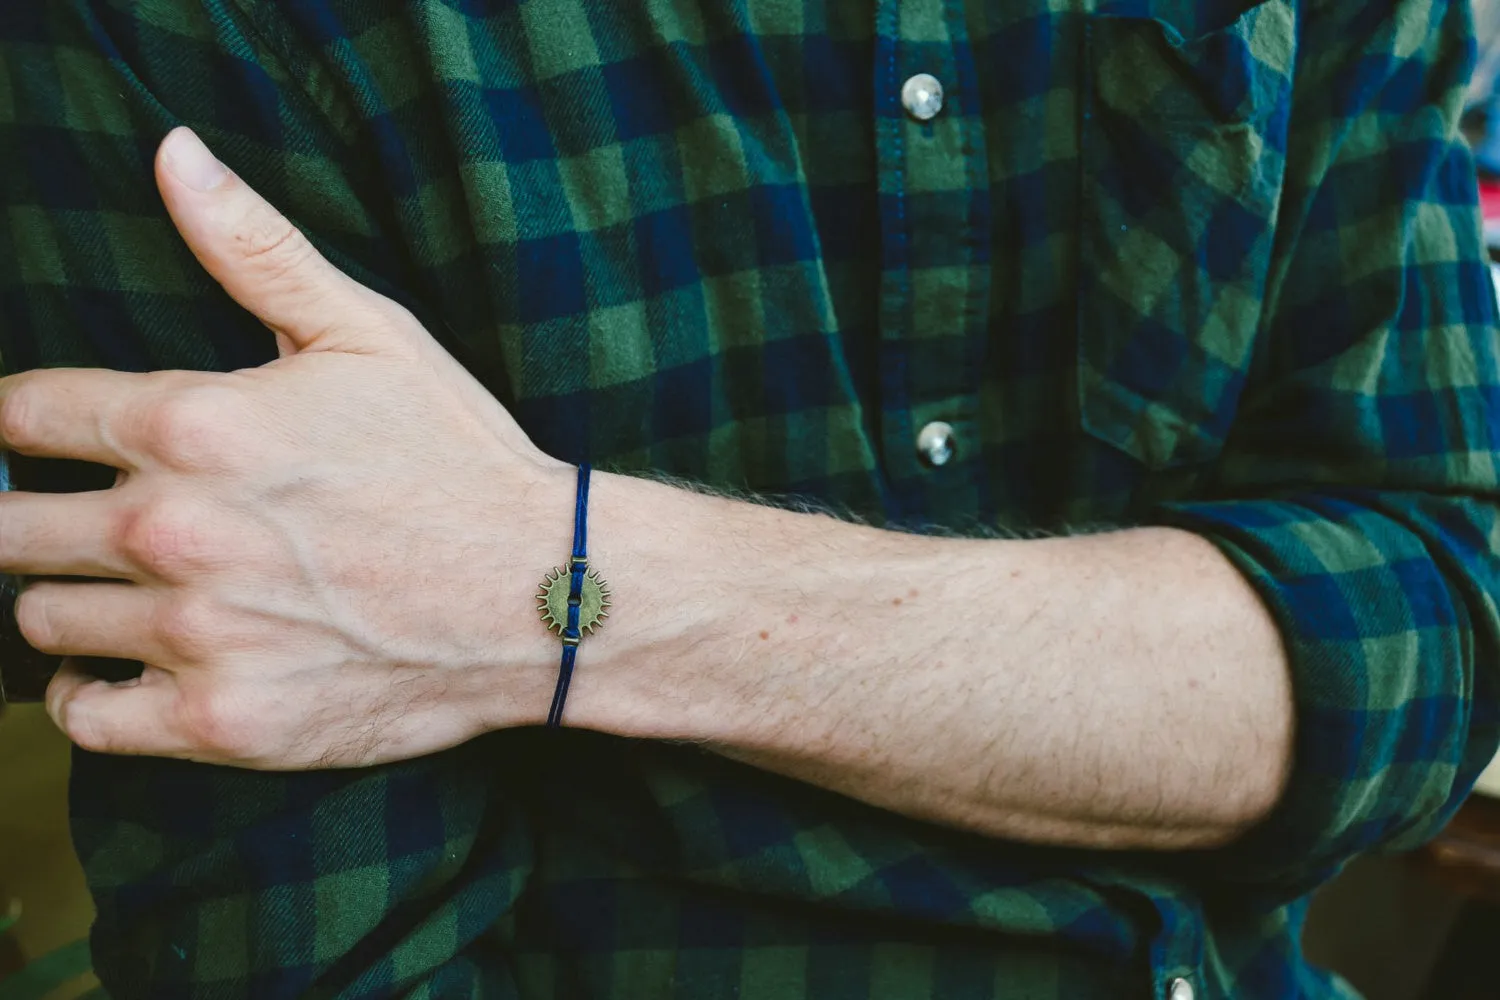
(71, 412)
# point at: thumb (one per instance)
(260, 258)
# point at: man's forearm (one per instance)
(1118, 690)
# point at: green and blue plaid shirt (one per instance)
(1205, 263)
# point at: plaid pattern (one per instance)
(1196, 262)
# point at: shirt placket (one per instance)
(935, 256)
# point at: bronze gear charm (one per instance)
(552, 601)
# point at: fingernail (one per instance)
(191, 162)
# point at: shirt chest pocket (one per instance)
(1183, 151)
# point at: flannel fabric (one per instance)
(1207, 263)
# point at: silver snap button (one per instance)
(935, 444)
(1181, 990)
(922, 97)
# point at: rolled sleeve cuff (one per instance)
(1381, 604)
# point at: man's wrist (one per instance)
(516, 683)
(705, 590)
(650, 545)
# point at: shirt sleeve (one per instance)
(1358, 488)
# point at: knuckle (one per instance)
(19, 424)
(185, 628)
(163, 538)
(218, 724)
(35, 621)
(82, 727)
(188, 428)
(271, 243)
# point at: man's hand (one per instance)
(311, 556)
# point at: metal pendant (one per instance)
(552, 602)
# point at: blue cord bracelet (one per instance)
(577, 607)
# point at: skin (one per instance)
(330, 561)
